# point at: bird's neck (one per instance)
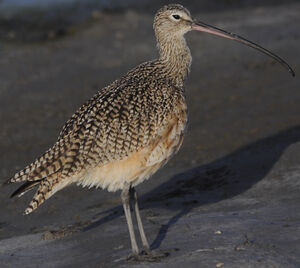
(176, 58)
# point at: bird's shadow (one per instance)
(223, 178)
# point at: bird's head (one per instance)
(173, 21)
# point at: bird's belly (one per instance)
(140, 165)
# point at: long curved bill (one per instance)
(203, 27)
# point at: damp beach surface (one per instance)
(229, 198)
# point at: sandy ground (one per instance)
(229, 198)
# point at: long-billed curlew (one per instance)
(129, 129)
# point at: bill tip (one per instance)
(292, 71)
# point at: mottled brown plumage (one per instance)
(129, 129)
(131, 116)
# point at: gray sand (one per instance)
(229, 198)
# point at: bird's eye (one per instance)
(176, 17)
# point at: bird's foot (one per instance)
(149, 255)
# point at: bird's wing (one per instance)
(115, 122)
(62, 152)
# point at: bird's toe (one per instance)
(149, 256)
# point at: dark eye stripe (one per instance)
(176, 17)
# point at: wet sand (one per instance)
(229, 198)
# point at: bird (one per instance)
(129, 129)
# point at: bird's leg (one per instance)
(125, 196)
(148, 254)
(133, 196)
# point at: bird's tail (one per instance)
(46, 188)
(49, 163)
(48, 172)
(27, 186)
